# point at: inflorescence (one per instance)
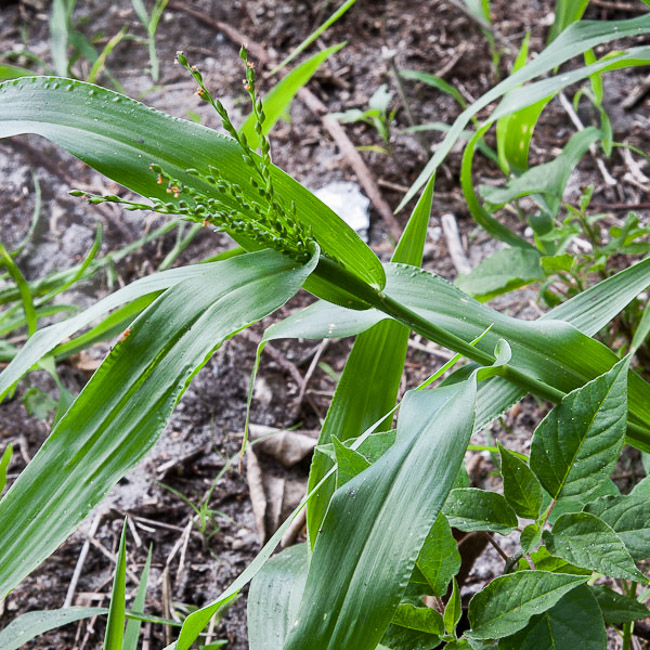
(260, 215)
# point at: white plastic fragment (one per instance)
(347, 200)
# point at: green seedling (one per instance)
(377, 115)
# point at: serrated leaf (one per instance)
(629, 517)
(544, 561)
(471, 509)
(439, 559)
(575, 447)
(506, 270)
(506, 605)
(618, 609)
(421, 619)
(575, 623)
(521, 488)
(587, 541)
(274, 598)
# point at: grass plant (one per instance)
(381, 500)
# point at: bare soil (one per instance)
(206, 429)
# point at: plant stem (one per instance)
(333, 272)
(329, 270)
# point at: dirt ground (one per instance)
(191, 568)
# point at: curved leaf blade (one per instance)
(629, 517)
(362, 560)
(471, 509)
(521, 488)
(588, 542)
(278, 99)
(122, 410)
(368, 386)
(575, 447)
(575, 623)
(274, 598)
(98, 127)
(575, 40)
(506, 605)
(28, 626)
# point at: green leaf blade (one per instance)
(439, 559)
(124, 407)
(114, 634)
(96, 126)
(588, 542)
(506, 605)
(629, 517)
(521, 488)
(274, 598)
(574, 623)
(363, 532)
(576, 446)
(472, 509)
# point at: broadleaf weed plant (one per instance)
(379, 564)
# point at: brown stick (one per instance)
(620, 206)
(354, 159)
(315, 106)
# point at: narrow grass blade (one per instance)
(642, 329)
(59, 29)
(278, 99)
(274, 598)
(133, 625)
(370, 381)
(36, 215)
(5, 459)
(8, 71)
(434, 81)
(23, 287)
(53, 281)
(575, 40)
(28, 626)
(362, 560)
(550, 351)
(100, 63)
(122, 410)
(566, 12)
(46, 339)
(117, 608)
(314, 35)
